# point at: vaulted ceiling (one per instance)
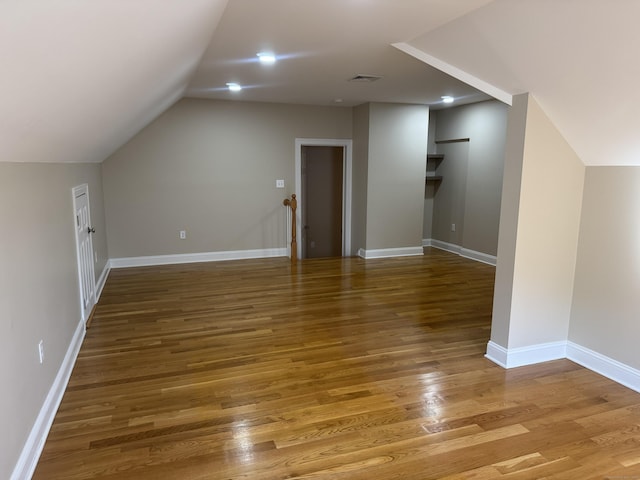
(579, 58)
(79, 79)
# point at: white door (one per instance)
(84, 246)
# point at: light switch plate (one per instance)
(279, 183)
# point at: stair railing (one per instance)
(293, 204)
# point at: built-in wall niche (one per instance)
(433, 162)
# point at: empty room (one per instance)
(343, 239)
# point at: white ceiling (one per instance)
(81, 78)
(321, 45)
(579, 59)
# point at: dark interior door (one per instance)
(322, 168)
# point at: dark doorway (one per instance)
(322, 183)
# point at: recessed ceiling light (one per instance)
(234, 87)
(447, 99)
(266, 57)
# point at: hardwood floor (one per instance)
(337, 369)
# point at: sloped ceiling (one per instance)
(579, 59)
(79, 78)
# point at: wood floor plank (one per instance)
(332, 369)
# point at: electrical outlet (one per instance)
(183, 234)
(453, 227)
(41, 351)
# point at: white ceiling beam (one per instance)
(455, 72)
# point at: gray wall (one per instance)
(396, 167)
(210, 167)
(606, 306)
(429, 191)
(360, 177)
(469, 194)
(39, 293)
(449, 205)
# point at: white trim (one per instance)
(76, 192)
(455, 72)
(458, 250)
(196, 257)
(497, 354)
(32, 448)
(449, 247)
(529, 355)
(347, 145)
(478, 256)
(606, 366)
(390, 252)
(592, 360)
(102, 279)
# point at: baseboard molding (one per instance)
(102, 279)
(449, 247)
(497, 354)
(196, 257)
(390, 252)
(594, 361)
(479, 256)
(32, 449)
(518, 357)
(463, 252)
(605, 366)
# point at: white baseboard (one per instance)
(497, 354)
(608, 367)
(594, 361)
(32, 449)
(479, 256)
(463, 252)
(196, 257)
(449, 247)
(518, 357)
(102, 279)
(390, 252)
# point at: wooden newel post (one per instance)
(293, 203)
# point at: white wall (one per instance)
(210, 167)
(548, 225)
(508, 231)
(605, 314)
(39, 293)
(546, 235)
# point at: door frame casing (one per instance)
(347, 147)
(76, 192)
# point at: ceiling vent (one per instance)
(365, 78)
